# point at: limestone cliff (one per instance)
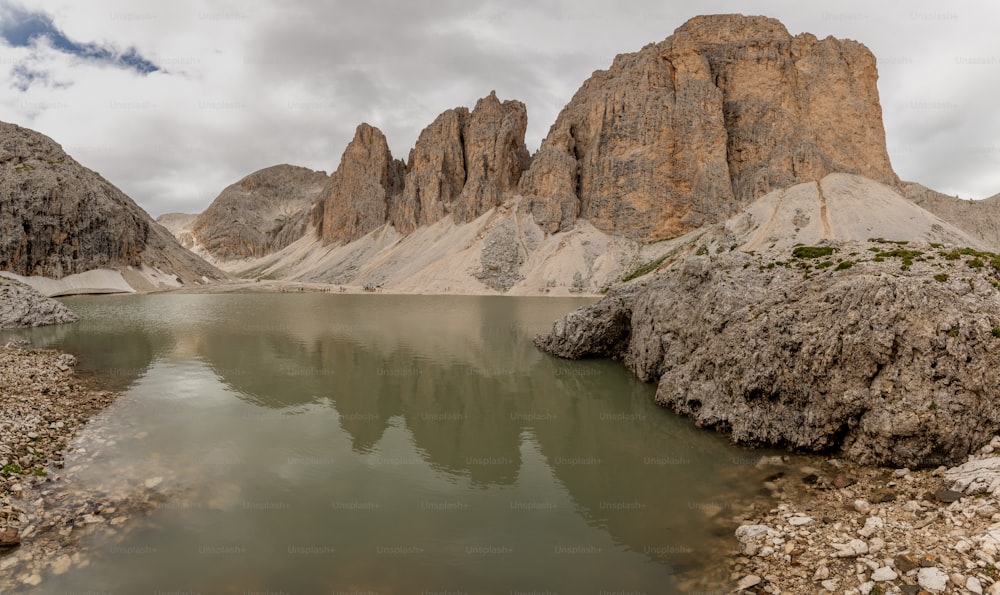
(356, 199)
(463, 164)
(687, 131)
(261, 214)
(58, 218)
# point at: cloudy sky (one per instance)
(174, 101)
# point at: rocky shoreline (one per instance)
(841, 528)
(43, 405)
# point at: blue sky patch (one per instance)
(20, 27)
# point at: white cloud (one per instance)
(250, 84)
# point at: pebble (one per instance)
(751, 580)
(884, 574)
(932, 579)
(799, 521)
(974, 586)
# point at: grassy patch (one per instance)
(996, 332)
(645, 269)
(975, 263)
(11, 469)
(844, 265)
(953, 331)
(941, 277)
(885, 241)
(812, 251)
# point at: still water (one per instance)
(317, 443)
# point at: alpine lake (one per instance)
(325, 443)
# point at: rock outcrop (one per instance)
(259, 215)
(880, 354)
(687, 131)
(58, 218)
(463, 164)
(355, 201)
(21, 306)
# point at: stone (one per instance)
(799, 521)
(884, 574)
(843, 481)
(9, 538)
(866, 587)
(686, 131)
(862, 506)
(830, 585)
(61, 564)
(751, 580)
(58, 218)
(872, 525)
(256, 216)
(932, 579)
(851, 549)
(948, 496)
(974, 585)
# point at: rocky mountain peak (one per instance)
(687, 131)
(258, 215)
(58, 218)
(356, 197)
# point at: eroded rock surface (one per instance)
(22, 306)
(687, 131)
(885, 360)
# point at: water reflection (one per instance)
(397, 421)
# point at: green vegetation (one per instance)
(40, 473)
(996, 332)
(844, 265)
(11, 469)
(995, 263)
(885, 241)
(702, 251)
(953, 331)
(975, 263)
(812, 251)
(825, 264)
(941, 277)
(932, 406)
(645, 269)
(907, 256)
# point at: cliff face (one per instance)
(59, 218)
(260, 214)
(356, 198)
(687, 131)
(463, 164)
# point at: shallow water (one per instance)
(317, 443)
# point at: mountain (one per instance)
(981, 218)
(876, 341)
(64, 228)
(677, 136)
(258, 215)
(687, 131)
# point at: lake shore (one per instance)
(273, 286)
(841, 528)
(43, 406)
